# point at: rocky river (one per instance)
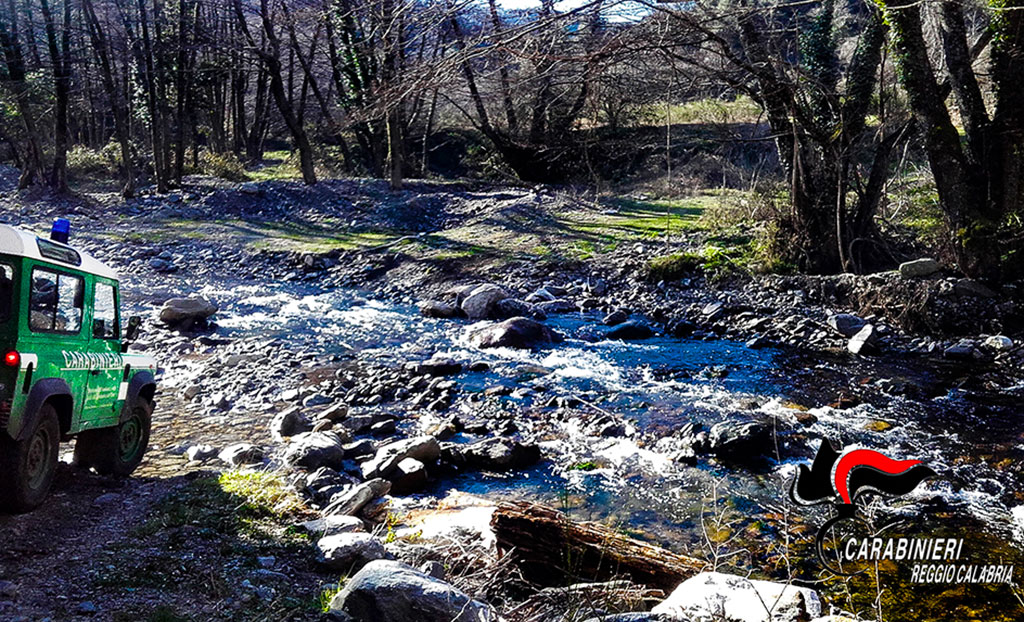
(677, 413)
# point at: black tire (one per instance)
(27, 467)
(117, 450)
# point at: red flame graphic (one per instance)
(866, 458)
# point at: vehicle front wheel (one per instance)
(117, 450)
(27, 467)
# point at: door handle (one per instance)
(95, 372)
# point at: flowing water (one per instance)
(658, 385)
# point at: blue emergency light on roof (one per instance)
(61, 230)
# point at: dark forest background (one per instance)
(841, 116)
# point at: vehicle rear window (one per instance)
(55, 303)
(56, 252)
(6, 291)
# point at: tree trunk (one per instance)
(121, 123)
(58, 178)
(32, 168)
(960, 184)
(552, 549)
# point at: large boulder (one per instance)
(389, 591)
(919, 268)
(312, 450)
(846, 324)
(517, 332)
(186, 311)
(713, 596)
(740, 441)
(385, 463)
(481, 303)
(492, 454)
(343, 551)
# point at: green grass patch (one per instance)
(292, 236)
(327, 594)
(630, 219)
(673, 267)
(710, 110)
(277, 166)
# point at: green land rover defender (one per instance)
(65, 371)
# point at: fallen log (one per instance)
(552, 549)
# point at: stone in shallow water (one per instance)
(518, 332)
(481, 303)
(631, 330)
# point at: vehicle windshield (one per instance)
(6, 291)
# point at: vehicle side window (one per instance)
(104, 312)
(6, 291)
(55, 302)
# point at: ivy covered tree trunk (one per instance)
(978, 180)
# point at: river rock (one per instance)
(541, 295)
(343, 551)
(426, 449)
(186, 311)
(969, 288)
(410, 476)
(200, 452)
(631, 330)
(558, 305)
(389, 591)
(312, 450)
(999, 343)
(681, 328)
(325, 482)
(481, 302)
(846, 324)
(739, 441)
(864, 341)
(289, 422)
(964, 350)
(512, 307)
(492, 454)
(713, 596)
(615, 318)
(436, 366)
(517, 332)
(438, 309)
(354, 499)
(919, 268)
(333, 524)
(240, 454)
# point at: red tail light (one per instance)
(12, 359)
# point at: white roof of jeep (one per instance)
(14, 241)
